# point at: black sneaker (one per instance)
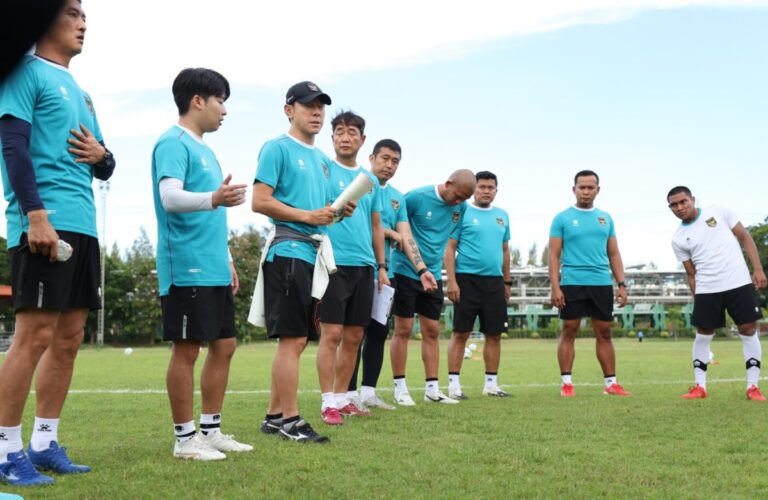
(269, 427)
(302, 432)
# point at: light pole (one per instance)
(103, 190)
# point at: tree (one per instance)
(514, 257)
(545, 256)
(532, 254)
(143, 302)
(246, 250)
(759, 233)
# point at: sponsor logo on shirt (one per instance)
(474, 221)
(89, 104)
(575, 223)
(204, 162)
(64, 93)
(429, 215)
(341, 184)
(712, 222)
(456, 216)
(301, 164)
(195, 270)
(601, 221)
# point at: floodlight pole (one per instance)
(103, 190)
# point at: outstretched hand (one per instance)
(229, 195)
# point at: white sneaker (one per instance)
(196, 449)
(456, 393)
(404, 399)
(376, 402)
(436, 396)
(495, 391)
(224, 442)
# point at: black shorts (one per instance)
(741, 304)
(199, 313)
(410, 299)
(288, 303)
(73, 284)
(588, 301)
(349, 297)
(480, 296)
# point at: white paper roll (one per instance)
(361, 185)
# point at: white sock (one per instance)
(367, 392)
(329, 401)
(210, 423)
(341, 399)
(701, 347)
(400, 386)
(352, 395)
(454, 380)
(490, 380)
(432, 385)
(566, 379)
(45, 431)
(10, 442)
(753, 354)
(609, 381)
(184, 432)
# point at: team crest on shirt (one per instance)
(395, 204)
(712, 222)
(601, 221)
(325, 171)
(89, 104)
(456, 216)
(499, 221)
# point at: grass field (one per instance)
(534, 444)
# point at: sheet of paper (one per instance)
(382, 302)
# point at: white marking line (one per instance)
(389, 389)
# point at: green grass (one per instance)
(534, 444)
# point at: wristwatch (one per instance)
(107, 157)
(508, 283)
(621, 283)
(382, 265)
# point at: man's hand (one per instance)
(428, 282)
(507, 293)
(235, 280)
(621, 296)
(558, 299)
(228, 195)
(383, 279)
(320, 217)
(349, 208)
(759, 279)
(86, 147)
(41, 236)
(453, 292)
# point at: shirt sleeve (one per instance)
(507, 236)
(378, 195)
(18, 93)
(456, 232)
(611, 227)
(681, 253)
(172, 160)
(270, 166)
(402, 210)
(730, 218)
(556, 229)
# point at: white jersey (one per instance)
(710, 244)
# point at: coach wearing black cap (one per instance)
(291, 187)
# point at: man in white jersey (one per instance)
(196, 276)
(709, 243)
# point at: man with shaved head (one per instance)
(433, 213)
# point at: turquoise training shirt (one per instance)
(191, 246)
(585, 235)
(299, 175)
(46, 95)
(393, 210)
(432, 221)
(481, 236)
(352, 237)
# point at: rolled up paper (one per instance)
(63, 251)
(361, 185)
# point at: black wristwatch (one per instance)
(107, 157)
(382, 265)
(422, 271)
(508, 283)
(621, 283)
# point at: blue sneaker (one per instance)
(19, 471)
(55, 459)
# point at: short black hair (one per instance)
(198, 81)
(679, 189)
(586, 173)
(350, 119)
(389, 144)
(486, 175)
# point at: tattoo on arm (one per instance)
(415, 251)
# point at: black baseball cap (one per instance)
(306, 92)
